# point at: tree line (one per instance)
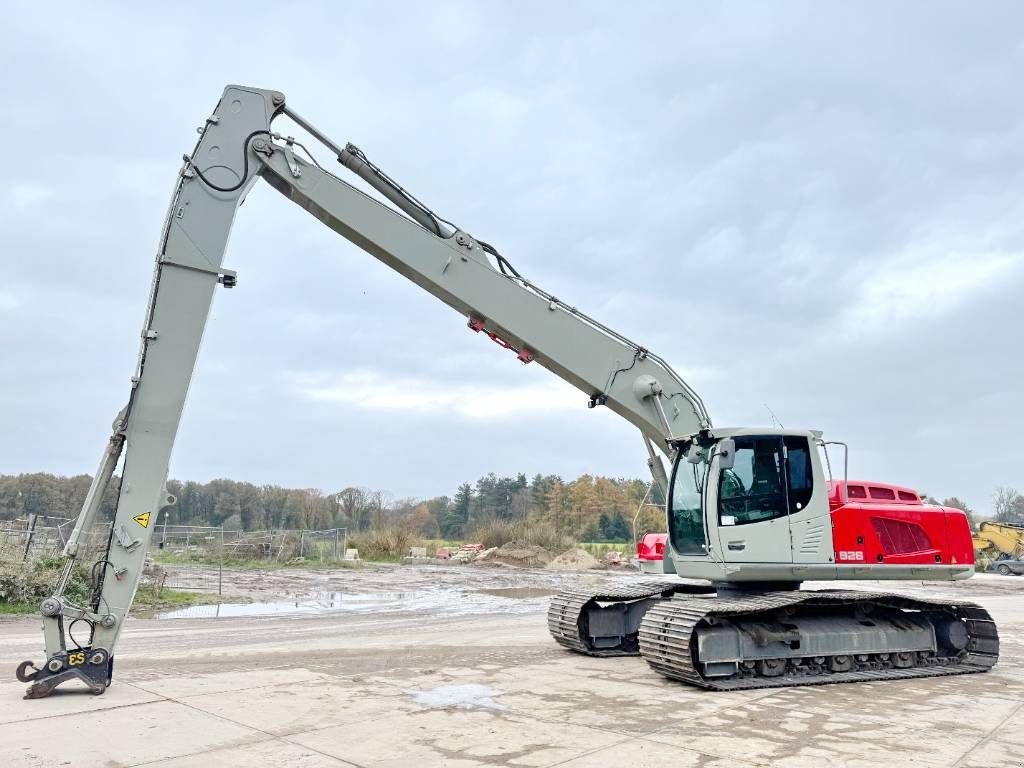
(589, 508)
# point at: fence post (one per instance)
(220, 565)
(29, 532)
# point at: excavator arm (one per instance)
(237, 145)
(999, 540)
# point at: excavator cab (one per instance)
(761, 507)
(740, 499)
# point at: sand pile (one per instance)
(517, 554)
(573, 560)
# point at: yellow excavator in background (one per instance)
(1001, 546)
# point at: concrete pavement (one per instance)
(427, 690)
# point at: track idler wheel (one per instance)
(840, 663)
(904, 659)
(771, 667)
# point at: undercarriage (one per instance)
(735, 641)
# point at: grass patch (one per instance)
(255, 563)
(497, 532)
(15, 609)
(149, 598)
(601, 548)
(386, 545)
(24, 586)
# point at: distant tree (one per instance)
(1008, 506)
(273, 500)
(233, 523)
(226, 506)
(620, 529)
(614, 527)
(650, 520)
(590, 506)
(293, 510)
(378, 502)
(420, 521)
(353, 504)
(250, 506)
(461, 513)
(314, 509)
(589, 532)
(557, 505)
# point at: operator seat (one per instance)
(766, 498)
(766, 473)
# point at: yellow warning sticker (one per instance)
(142, 519)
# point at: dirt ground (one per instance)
(453, 666)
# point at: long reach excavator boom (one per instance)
(767, 484)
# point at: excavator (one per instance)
(1002, 545)
(751, 512)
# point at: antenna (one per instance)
(775, 421)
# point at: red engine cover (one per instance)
(651, 547)
(878, 523)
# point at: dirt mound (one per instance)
(573, 560)
(517, 554)
(486, 555)
(615, 559)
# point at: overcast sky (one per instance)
(809, 207)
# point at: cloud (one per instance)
(22, 196)
(892, 295)
(378, 391)
(9, 300)
(819, 209)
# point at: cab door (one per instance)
(810, 519)
(749, 502)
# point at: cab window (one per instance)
(754, 489)
(686, 512)
(801, 477)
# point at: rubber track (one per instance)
(669, 627)
(565, 613)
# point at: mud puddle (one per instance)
(317, 603)
(446, 600)
(519, 593)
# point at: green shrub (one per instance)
(386, 543)
(494, 533)
(31, 583)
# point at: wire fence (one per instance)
(28, 540)
(186, 557)
(327, 546)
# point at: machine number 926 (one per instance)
(851, 555)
